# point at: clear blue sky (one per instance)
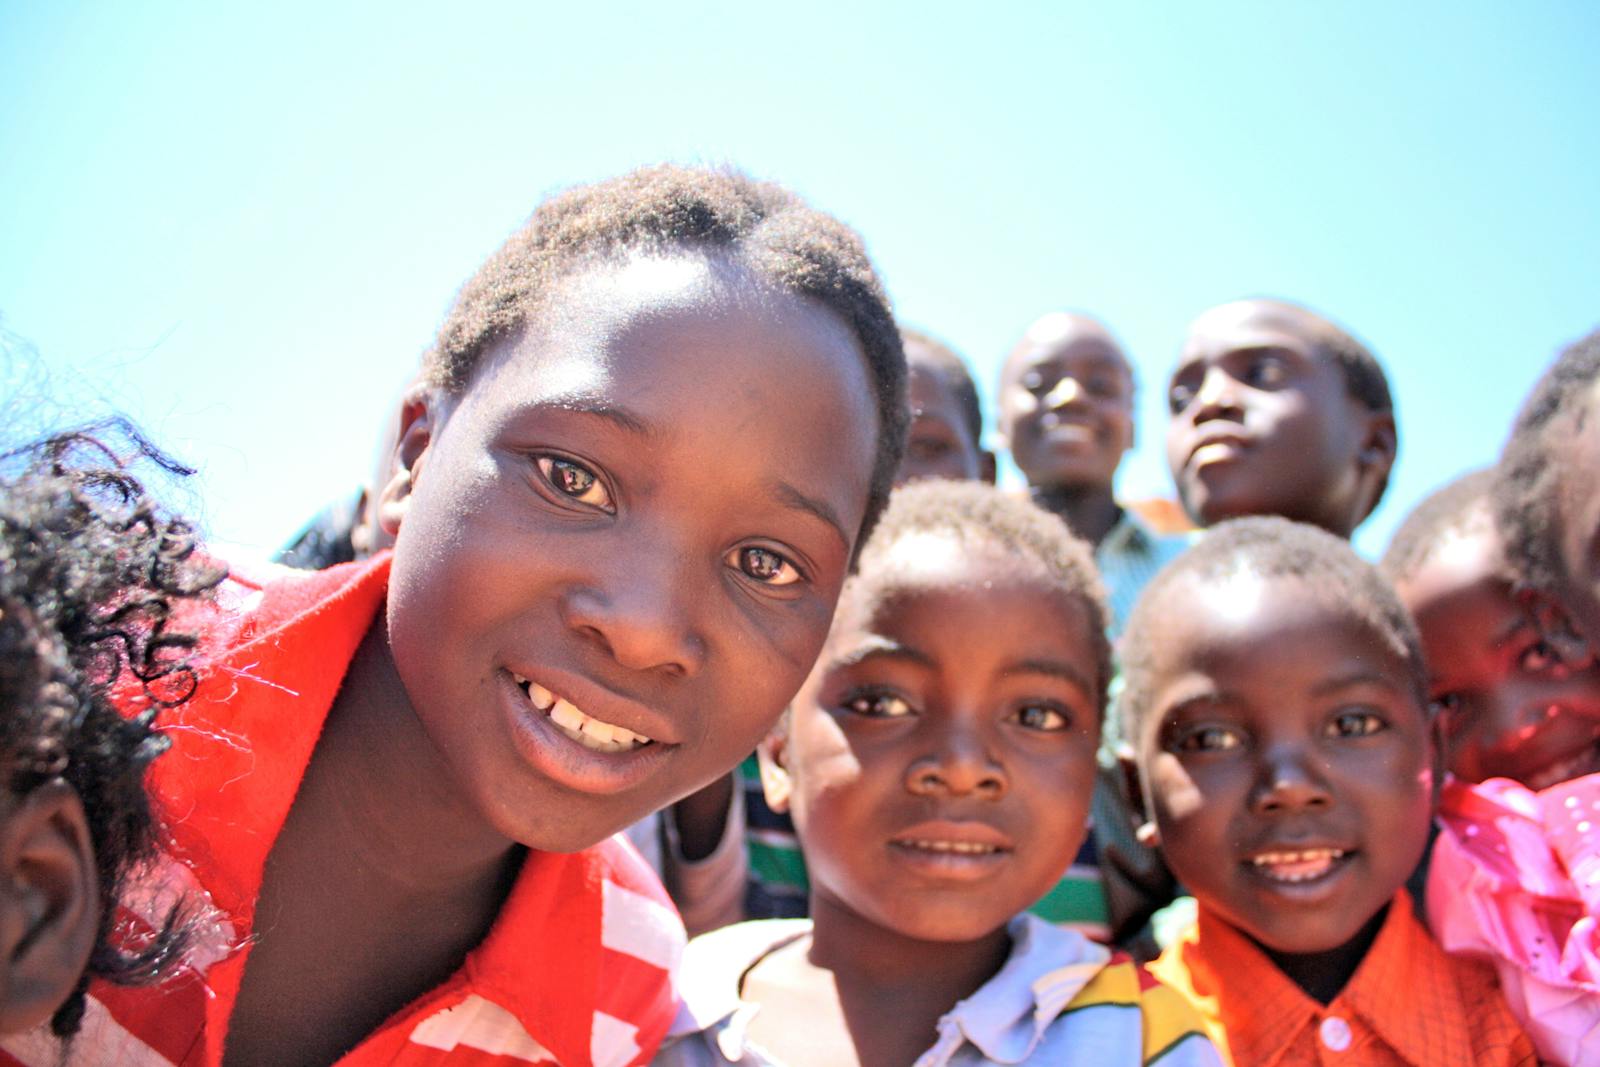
(241, 223)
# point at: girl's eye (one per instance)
(873, 705)
(766, 566)
(575, 480)
(1538, 657)
(1209, 739)
(1355, 724)
(1042, 717)
(1033, 381)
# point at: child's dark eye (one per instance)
(1043, 717)
(1355, 724)
(1538, 657)
(877, 705)
(575, 480)
(1209, 739)
(764, 565)
(1265, 372)
(1179, 397)
(1034, 382)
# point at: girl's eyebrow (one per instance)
(1051, 668)
(789, 495)
(1349, 679)
(876, 646)
(590, 404)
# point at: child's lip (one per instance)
(1296, 863)
(1226, 442)
(1585, 760)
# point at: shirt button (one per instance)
(1335, 1033)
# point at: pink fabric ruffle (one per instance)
(1515, 878)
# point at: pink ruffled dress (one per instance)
(1516, 879)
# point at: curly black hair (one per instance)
(977, 515)
(1454, 508)
(760, 226)
(1267, 546)
(953, 371)
(91, 572)
(1524, 492)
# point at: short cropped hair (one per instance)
(978, 515)
(955, 374)
(1456, 508)
(1524, 491)
(760, 226)
(1266, 546)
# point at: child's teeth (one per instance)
(600, 731)
(542, 698)
(587, 730)
(972, 847)
(1297, 865)
(566, 715)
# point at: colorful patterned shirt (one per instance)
(1059, 998)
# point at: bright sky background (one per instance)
(241, 223)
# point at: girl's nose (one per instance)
(1066, 391)
(645, 617)
(1289, 784)
(1218, 396)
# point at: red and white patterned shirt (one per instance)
(577, 969)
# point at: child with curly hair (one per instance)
(91, 572)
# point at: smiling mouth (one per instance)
(585, 729)
(1291, 866)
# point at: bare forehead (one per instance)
(1063, 339)
(1253, 324)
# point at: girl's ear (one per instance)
(422, 412)
(777, 784)
(49, 904)
(1145, 831)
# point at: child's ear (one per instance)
(49, 904)
(422, 413)
(771, 756)
(1378, 447)
(1145, 831)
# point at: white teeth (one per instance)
(584, 729)
(968, 847)
(1297, 865)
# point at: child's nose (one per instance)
(1510, 718)
(1290, 783)
(643, 615)
(960, 765)
(1218, 395)
(1066, 391)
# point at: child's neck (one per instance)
(1323, 975)
(1090, 511)
(875, 974)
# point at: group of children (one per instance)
(639, 503)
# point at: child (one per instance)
(1507, 706)
(939, 763)
(1276, 699)
(1277, 411)
(625, 496)
(90, 571)
(946, 435)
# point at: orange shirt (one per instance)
(1407, 1004)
